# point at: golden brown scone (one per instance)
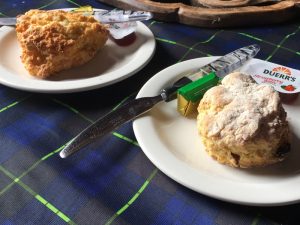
(52, 41)
(242, 123)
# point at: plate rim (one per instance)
(163, 162)
(71, 86)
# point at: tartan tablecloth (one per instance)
(112, 181)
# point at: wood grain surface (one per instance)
(216, 13)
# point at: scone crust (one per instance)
(243, 124)
(52, 41)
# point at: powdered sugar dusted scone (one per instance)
(52, 41)
(242, 123)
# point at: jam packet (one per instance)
(121, 30)
(285, 80)
(121, 23)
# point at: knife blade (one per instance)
(8, 21)
(103, 16)
(221, 67)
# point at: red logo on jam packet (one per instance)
(282, 78)
(283, 70)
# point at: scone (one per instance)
(52, 41)
(242, 123)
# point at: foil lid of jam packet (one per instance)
(121, 30)
(120, 23)
(282, 78)
(120, 16)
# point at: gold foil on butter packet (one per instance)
(185, 107)
(85, 10)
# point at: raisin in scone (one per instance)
(52, 41)
(242, 123)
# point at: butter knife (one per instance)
(107, 17)
(221, 67)
(8, 21)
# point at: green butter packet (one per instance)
(189, 96)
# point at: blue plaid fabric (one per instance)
(112, 181)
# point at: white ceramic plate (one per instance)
(112, 64)
(172, 143)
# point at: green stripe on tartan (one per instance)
(125, 138)
(154, 22)
(13, 104)
(30, 169)
(281, 43)
(41, 199)
(91, 121)
(72, 109)
(74, 3)
(134, 198)
(250, 36)
(212, 37)
(37, 196)
(60, 148)
(200, 42)
(9, 106)
(53, 152)
(125, 99)
(182, 45)
(167, 41)
(256, 219)
(272, 44)
(2, 14)
(50, 3)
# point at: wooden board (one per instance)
(216, 13)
